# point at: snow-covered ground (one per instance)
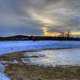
(13, 46)
(51, 57)
(3, 76)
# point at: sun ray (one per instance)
(44, 20)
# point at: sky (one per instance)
(29, 16)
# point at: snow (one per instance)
(3, 75)
(14, 46)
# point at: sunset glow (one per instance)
(42, 19)
(75, 33)
(47, 33)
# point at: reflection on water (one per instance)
(55, 57)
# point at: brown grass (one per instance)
(33, 72)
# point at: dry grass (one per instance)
(34, 72)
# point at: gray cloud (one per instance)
(20, 13)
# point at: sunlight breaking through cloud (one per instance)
(60, 15)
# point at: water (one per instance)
(55, 57)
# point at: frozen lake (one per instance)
(67, 54)
(70, 55)
(55, 57)
(14, 46)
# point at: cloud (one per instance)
(66, 13)
(62, 15)
(11, 12)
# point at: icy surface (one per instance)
(13, 46)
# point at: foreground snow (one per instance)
(3, 76)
